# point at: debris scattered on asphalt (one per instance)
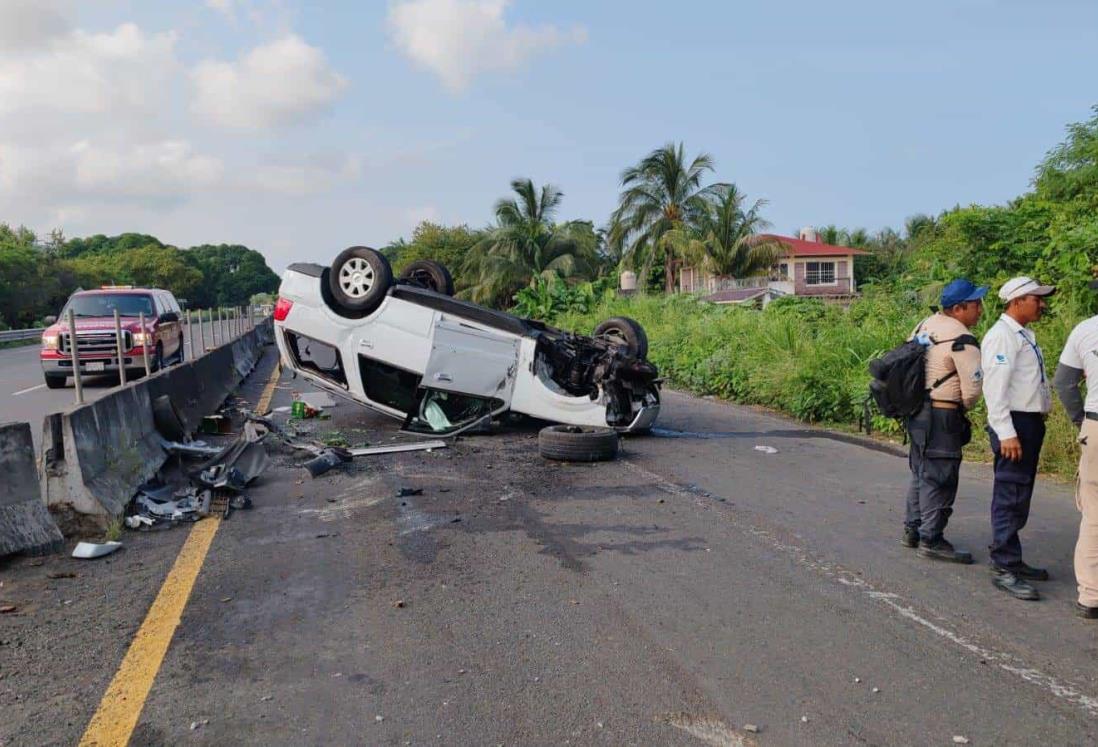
(804, 719)
(61, 574)
(267, 698)
(958, 739)
(216, 425)
(397, 448)
(193, 448)
(405, 492)
(751, 728)
(379, 719)
(226, 599)
(90, 550)
(876, 689)
(8, 609)
(199, 724)
(317, 400)
(399, 604)
(857, 679)
(766, 449)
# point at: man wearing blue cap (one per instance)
(954, 380)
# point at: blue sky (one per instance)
(300, 128)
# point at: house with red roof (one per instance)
(809, 267)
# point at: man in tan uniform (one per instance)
(954, 381)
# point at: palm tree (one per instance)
(525, 243)
(725, 241)
(662, 200)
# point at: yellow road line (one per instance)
(264, 404)
(114, 721)
(118, 712)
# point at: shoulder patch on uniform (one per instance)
(978, 375)
(1000, 359)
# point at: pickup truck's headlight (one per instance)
(140, 338)
(51, 342)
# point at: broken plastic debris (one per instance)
(766, 449)
(89, 550)
(751, 728)
(317, 400)
(958, 739)
(397, 448)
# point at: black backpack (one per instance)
(899, 377)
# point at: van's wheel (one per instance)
(430, 275)
(56, 382)
(578, 443)
(625, 331)
(359, 280)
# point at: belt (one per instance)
(943, 405)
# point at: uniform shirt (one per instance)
(1014, 375)
(1081, 352)
(941, 360)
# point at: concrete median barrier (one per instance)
(96, 455)
(25, 524)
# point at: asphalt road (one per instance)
(28, 399)
(689, 589)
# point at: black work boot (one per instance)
(1085, 612)
(941, 549)
(910, 538)
(1016, 587)
(1027, 572)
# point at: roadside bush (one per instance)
(807, 359)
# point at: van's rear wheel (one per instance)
(430, 275)
(578, 443)
(625, 331)
(359, 280)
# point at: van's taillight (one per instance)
(282, 309)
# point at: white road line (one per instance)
(28, 389)
(1005, 661)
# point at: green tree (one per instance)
(231, 275)
(661, 202)
(724, 237)
(448, 245)
(526, 243)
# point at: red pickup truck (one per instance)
(96, 345)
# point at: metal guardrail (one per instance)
(15, 335)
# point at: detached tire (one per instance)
(625, 331)
(578, 443)
(431, 275)
(359, 280)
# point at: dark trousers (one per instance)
(1013, 489)
(937, 437)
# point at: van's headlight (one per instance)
(51, 342)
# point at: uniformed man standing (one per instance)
(1018, 400)
(941, 429)
(1080, 360)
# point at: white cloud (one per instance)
(310, 176)
(125, 71)
(224, 7)
(282, 82)
(458, 39)
(29, 23)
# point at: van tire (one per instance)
(578, 443)
(429, 274)
(625, 330)
(359, 280)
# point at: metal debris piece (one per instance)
(766, 449)
(751, 728)
(194, 448)
(326, 459)
(90, 550)
(958, 739)
(397, 448)
(61, 574)
(405, 492)
(7, 609)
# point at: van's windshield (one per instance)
(104, 304)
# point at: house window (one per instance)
(819, 273)
(783, 271)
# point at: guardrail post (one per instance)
(201, 333)
(217, 331)
(75, 359)
(119, 348)
(190, 333)
(145, 344)
(239, 321)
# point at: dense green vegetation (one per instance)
(36, 277)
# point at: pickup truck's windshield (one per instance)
(104, 304)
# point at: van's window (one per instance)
(448, 412)
(104, 304)
(317, 357)
(388, 385)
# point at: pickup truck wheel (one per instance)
(157, 363)
(430, 275)
(359, 280)
(626, 331)
(578, 443)
(56, 382)
(181, 355)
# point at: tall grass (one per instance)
(805, 358)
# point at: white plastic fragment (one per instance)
(766, 449)
(89, 550)
(958, 739)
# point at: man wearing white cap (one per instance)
(1018, 398)
(1079, 361)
